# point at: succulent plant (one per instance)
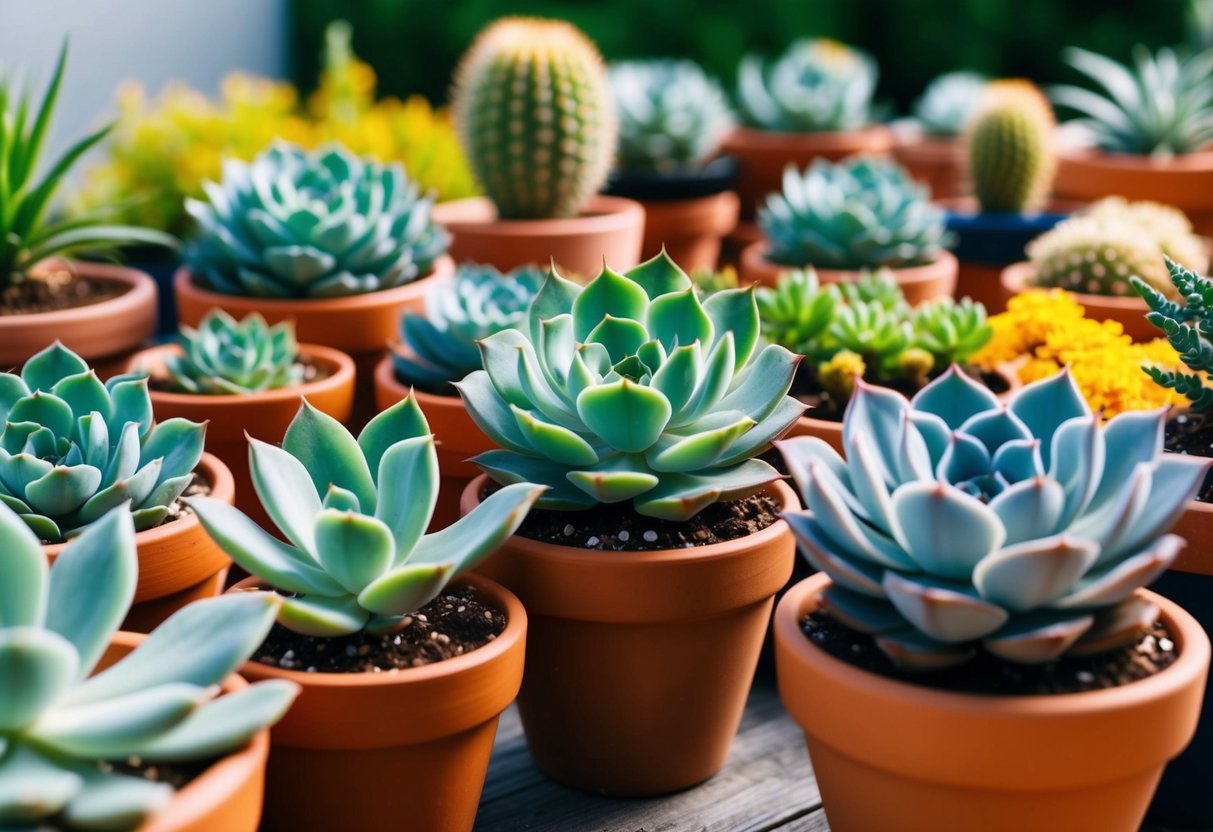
(797, 311)
(631, 388)
(533, 108)
(226, 357)
(439, 347)
(859, 213)
(354, 514)
(1010, 148)
(1189, 329)
(948, 102)
(1052, 520)
(817, 85)
(72, 448)
(951, 331)
(1162, 106)
(300, 224)
(63, 726)
(1169, 227)
(672, 116)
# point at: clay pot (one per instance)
(690, 230)
(263, 415)
(103, 334)
(638, 663)
(361, 326)
(920, 283)
(401, 750)
(458, 439)
(178, 562)
(892, 755)
(939, 163)
(1129, 311)
(609, 228)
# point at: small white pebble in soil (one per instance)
(461, 609)
(568, 530)
(434, 635)
(311, 668)
(488, 615)
(406, 621)
(1085, 677)
(444, 638)
(1166, 645)
(624, 537)
(288, 655)
(650, 536)
(422, 618)
(592, 542)
(398, 640)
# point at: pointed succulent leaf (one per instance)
(115, 802)
(736, 311)
(408, 491)
(286, 491)
(1038, 638)
(33, 787)
(23, 591)
(44, 662)
(954, 397)
(46, 367)
(627, 416)
(354, 549)
(403, 420)
(943, 610)
(480, 532)
(610, 294)
(1034, 573)
(659, 275)
(323, 617)
(943, 530)
(114, 728)
(329, 453)
(405, 589)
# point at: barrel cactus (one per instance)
(1010, 148)
(72, 448)
(1053, 520)
(533, 109)
(294, 223)
(226, 357)
(818, 85)
(948, 102)
(631, 388)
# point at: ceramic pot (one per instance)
(401, 750)
(160, 264)
(1129, 311)
(892, 755)
(609, 228)
(639, 663)
(937, 162)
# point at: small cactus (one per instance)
(1010, 148)
(533, 108)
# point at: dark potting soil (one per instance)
(987, 674)
(55, 291)
(821, 406)
(177, 775)
(454, 623)
(1188, 433)
(311, 372)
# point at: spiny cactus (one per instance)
(533, 108)
(1189, 329)
(817, 85)
(226, 357)
(948, 102)
(1010, 148)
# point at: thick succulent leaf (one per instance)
(619, 478)
(1038, 638)
(826, 497)
(679, 318)
(557, 443)
(625, 415)
(499, 356)
(114, 728)
(934, 432)
(406, 589)
(178, 442)
(12, 389)
(341, 500)
(1130, 438)
(124, 459)
(44, 408)
(286, 491)
(854, 574)
(1034, 573)
(696, 451)
(1117, 626)
(954, 397)
(1115, 517)
(1046, 405)
(1018, 460)
(45, 664)
(995, 428)
(621, 337)
(679, 376)
(353, 548)
(757, 439)
(659, 275)
(32, 787)
(490, 411)
(964, 458)
(944, 611)
(879, 413)
(131, 404)
(1077, 463)
(1029, 509)
(735, 311)
(47, 366)
(23, 590)
(861, 613)
(1111, 585)
(63, 490)
(511, 468)
(912, 650)
(608, 294)
(403, 420)
(330, 454)
(84, 393)
(799, 451)
(680, 497)
(1176, 480)
(408, 491)
(870, 500)
(323, 617)
(116, 801)
(555, 297)
(476, 535)
(764, 384)
(715, 378)
(943, 529)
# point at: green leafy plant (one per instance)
(948, 102)
(860, 213)
(72, 448)
(1189, 329)
(294, 223)
(631, 388)
(354, 513)
(1010, 148)
(226, 357)
(62, 727)
(1053, 520)
(816, 86)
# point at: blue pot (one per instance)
(997, 239)
(161, 265)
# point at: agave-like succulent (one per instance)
(860, 213)
(631, 388)
(956, 521)
(439, 347)
(225, 357)
(62, 728)
(817, 85)
(948, 102)
(72, 448)
(355, 513)
(300, 224)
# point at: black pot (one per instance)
(716, 176)
(161, 264)
(997, 239)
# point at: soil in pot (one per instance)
(1192, 433)
(55, 291)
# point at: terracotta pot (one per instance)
(1185, 182)
(1129, 311)
(939, 163)
(406, 749)
(361, 326)
(935, 279)
(458, 438)
(102, 333)
(610, 228)
(228, 795)
(763, 154)
(178, 562)
(893, 755)
(690, 230)
(638, 663)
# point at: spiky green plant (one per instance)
(62, 727)
(300, 224)
(1010, 148)
(354, 513)
(817, 85)
(1052, 520)
(951, 331)
(948, 102)
(1189, 329)
(797, 311)
(631, 388)
(72, 448)
(226, 357)
(439, 347)
(533, 109)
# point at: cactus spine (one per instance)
(1010, 144)
(533, 108)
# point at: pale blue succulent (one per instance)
(948, 102)
(817, 85)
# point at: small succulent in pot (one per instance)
(440, 347)
(72, 448)
(1053, 521)
(354, 514)
(816, 86)
(948, 102)
(631, 388)
(294, 223)
(224, 356)
(1010, 148)
(1189, 329)
(63, 727)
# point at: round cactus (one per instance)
(1010, 144)
(533, 108)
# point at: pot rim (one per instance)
(1183, 164)
(1015, 279)
(860, 139)
(754, 255)
(141, 290)
(385, 379)
(601, 214)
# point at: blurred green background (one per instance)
(414, 44)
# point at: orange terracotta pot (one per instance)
(609, 228)
(935, 279)
(178, 562)
(638, 663)
(1129, 311)
(361, 326)
(690, 230)
(892, 755)
(1195, 526)
(406, 749)
(939, 163)
(457, 437)
(103, 334)
(763, 154)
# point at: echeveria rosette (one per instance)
(439, 347)
(294, 223)
(228, 357)
(817, 85)
(72, 448)
(948, 102)
(957, 521)
(60, 725)
(632, 388)
(353, 515)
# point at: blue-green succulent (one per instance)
(948, 102)
(818, 85)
